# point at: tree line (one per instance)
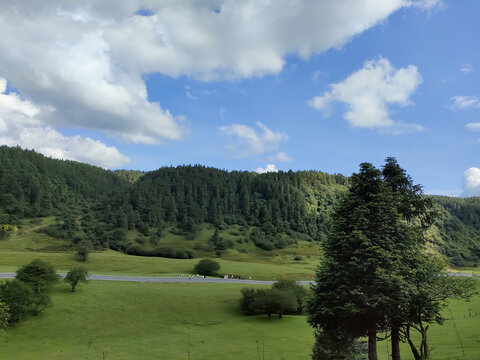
(96, 208)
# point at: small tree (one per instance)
(17, 296)
(82, 254)
(40, 302)
(207, 267)
(38, 275)
(299, 291)
(272, 301)
(76, 275)
(83, 249)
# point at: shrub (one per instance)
(83, 249)
(207, 267)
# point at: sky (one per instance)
(256, 85)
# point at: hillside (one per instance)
(192, 211)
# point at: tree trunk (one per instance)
(395, 343)
(415, 352)
(372, 344)
(425, 349)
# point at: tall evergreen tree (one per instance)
(355, 279)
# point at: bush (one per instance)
(154, 239)
(83, 249)
(165, 251)
(207, 267)
(284, 297)
(17, 297)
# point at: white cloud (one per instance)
(316, 75)
(473, 126)
(465, 102)
(251, 142)
(281, 156)
(268, 168)
(189, 95)
(471, 182)
(466, 68)
(87, 58)
(369, 92)
(20, 124)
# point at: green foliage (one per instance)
(290, 285)
(207, 267)
(6, 229)
(458, 227)
(38, 275)
(33, 185)
(284, 297)
(17, 296)
(75, 276)
(131, 176)
(83, 249)
(101, 206)
(337, 346)
(219, 243)
(190, 195)
(375, 243)
(40, 301)
(4, 316)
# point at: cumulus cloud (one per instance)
(267, 169)
(471, 182)
(369, 93)
(87, 58)
(252, 143)
(464, 102)
(20, 124)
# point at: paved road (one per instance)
(195, 279)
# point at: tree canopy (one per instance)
(374, 249)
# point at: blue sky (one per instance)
(253, 85)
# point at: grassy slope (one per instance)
(254, 263)
(150, 321)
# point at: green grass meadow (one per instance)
(124, 320)
(29, 243)
(153, 321)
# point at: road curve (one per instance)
(179, 279)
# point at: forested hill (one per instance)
(191, 195)
(33, 185)
(274, 209)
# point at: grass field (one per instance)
(22, 247)
(164, 321)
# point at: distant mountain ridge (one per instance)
(108, 203)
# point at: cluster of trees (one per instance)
(96, 207)
(458, 226)
(375, 276)
(284, 297)
(29, 290)
(191, 195)
(32, 185)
